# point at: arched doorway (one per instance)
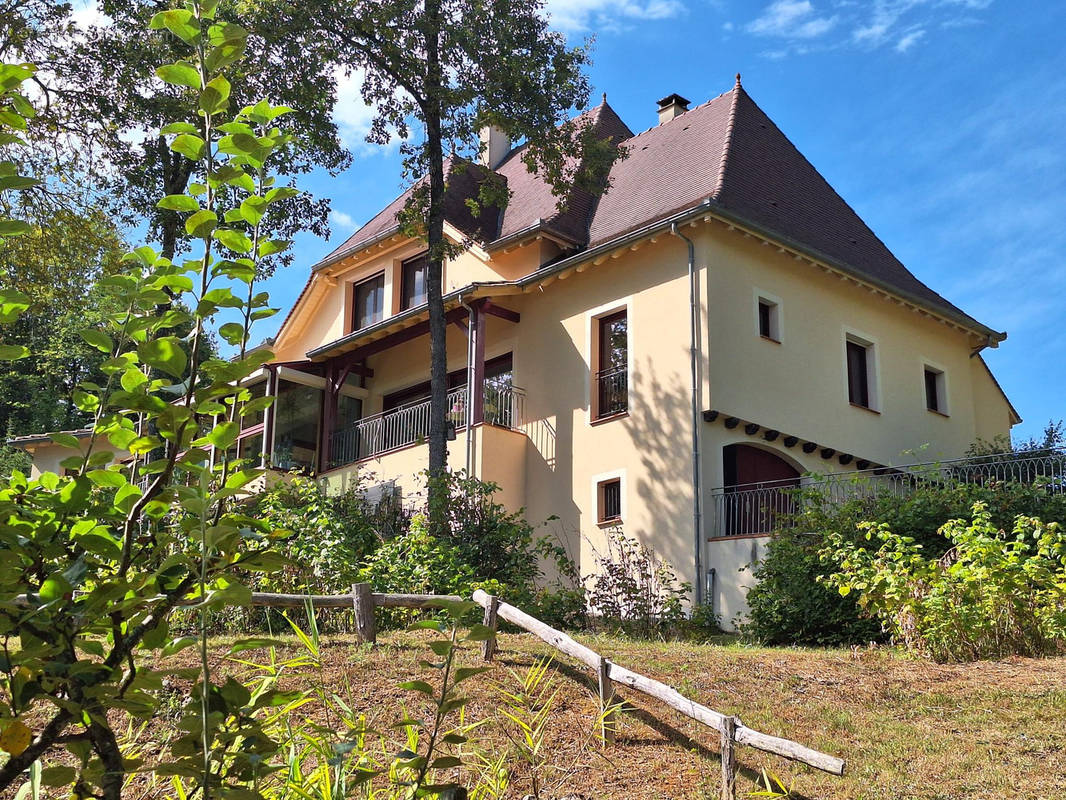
(756, 489)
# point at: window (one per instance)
(414, 281)
(859, 355)
(368, 302)
(612, 387)
(609, 501)
(769, 320)
(935, 396)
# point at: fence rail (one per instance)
(759, 508)
(732, 731)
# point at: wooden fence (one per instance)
(732, 732)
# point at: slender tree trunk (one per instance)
(438, 329)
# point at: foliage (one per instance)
(331, 536)
(96, 560)
(104, 105)
(985, 598)
(788, 605)
(634, 590)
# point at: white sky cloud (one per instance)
(791, 19)
(575, 16)
(901, 24)
(908, 40)
(341, 221)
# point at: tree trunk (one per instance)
(438, 329)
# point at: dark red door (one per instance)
(757, 483)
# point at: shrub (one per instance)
(634, 590)
(986, 597)
(788, 605)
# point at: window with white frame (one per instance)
(861, 371)
(936, 398)
(768, 317)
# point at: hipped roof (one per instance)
(726, 153)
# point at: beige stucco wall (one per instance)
(47, 456)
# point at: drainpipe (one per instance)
(694, 326)
(468, 405)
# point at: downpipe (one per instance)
(694, 330)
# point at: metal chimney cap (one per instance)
(671, 99)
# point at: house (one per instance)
(47, 451)
(665, 357)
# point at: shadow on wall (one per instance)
(661, 427)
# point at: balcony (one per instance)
(383, 433)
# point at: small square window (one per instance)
(609, 501)
(769, 320)
(935, 396)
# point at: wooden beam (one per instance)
(845, 459)
(499, 311)
(862, 463)
(751, 429)
(809, 447)
(710, 416)
(732, 422)
(476, 390)
(828, 452)
(771, 435)
(790, 441)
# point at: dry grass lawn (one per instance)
(908, 729)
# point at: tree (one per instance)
(95, 560)
(103, 106)
(452, 67)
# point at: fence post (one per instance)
(363, 602)
(491, 621)
(608, 719)
(729, 758)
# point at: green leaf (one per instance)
(106, 477)
(13, 352)
(232, 332)
(12, 305)
(271, 246)
(223, 435)
(65, 440)
(462, 673)
(234, 240)
(98, 339)
(180, 74)
(180, 22)
(178, 202)
(201, 224)
(418, 686)
(215, 96)
(446, 762)
(14, 227)
(58, 776)
(164, 354)
(189, 145)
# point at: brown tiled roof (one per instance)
(726, 151)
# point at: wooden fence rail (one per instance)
(733, 732)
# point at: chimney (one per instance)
(495, 146)
(672, 106)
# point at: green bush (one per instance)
(789, 605)
(987, 597)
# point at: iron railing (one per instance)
(761, 508)
(403, 427)
(612, 392)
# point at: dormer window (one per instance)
(413, 279)
(368, 302)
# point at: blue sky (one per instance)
(942, 122)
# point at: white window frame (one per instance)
(777, 324)
(942, 394)
(603, 477)
(873, 366)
